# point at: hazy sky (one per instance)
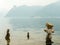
(6, 4)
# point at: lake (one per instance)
(35, 26)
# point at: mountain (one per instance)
(52, 10)
(24, 11)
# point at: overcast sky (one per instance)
(7, 4)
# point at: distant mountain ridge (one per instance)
(24, 11)
(52, 10)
